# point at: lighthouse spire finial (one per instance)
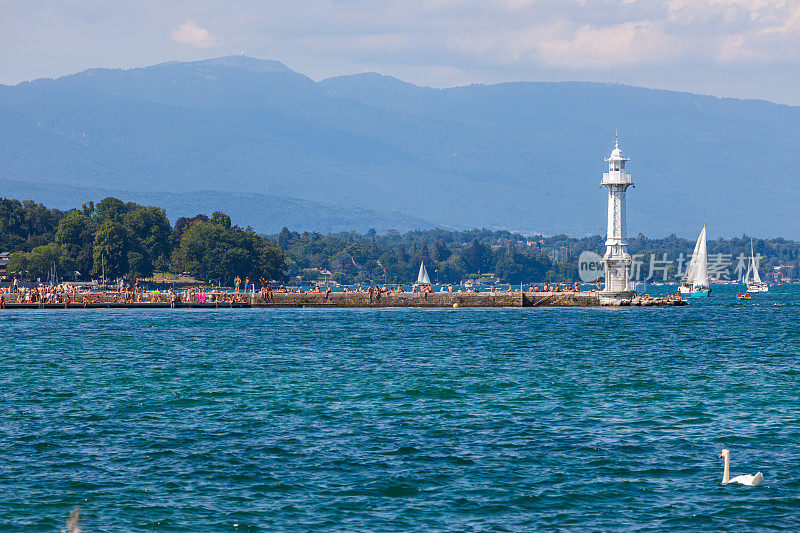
(616, 137)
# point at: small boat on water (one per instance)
(422, 278)
(695, 283)
(745, 296)
(752, 280)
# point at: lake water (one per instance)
(402, 419)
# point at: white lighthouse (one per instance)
(617, 261)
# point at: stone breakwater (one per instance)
(353, 300)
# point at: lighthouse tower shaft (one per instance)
(617, 260)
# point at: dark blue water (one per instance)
(413, 419)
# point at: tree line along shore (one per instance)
(132, 241)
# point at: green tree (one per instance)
(517, 267)
(111, 247)
(18, 264)
(215, 250)
(138, 266)
(26, 225)
(440, 251)
(220, 218)
(75, 235)
(477, 257)
(110, 210)
(149, 230)
(39, 262)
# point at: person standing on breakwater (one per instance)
(236, 282)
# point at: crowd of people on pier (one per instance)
(41, 294)
(69, 293)
(242, 293)
(136, 292)
(268, 291)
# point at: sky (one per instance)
(736, 48)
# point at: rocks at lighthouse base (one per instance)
(641, 301)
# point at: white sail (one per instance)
(753, 267)
(697, 273)
(749, 273)
(752, 279)
(422, 278)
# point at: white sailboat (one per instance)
(422, 277)
(695, 283)
(752, 279)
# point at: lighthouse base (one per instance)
(616, 298)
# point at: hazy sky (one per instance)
(743, 48)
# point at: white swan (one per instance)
(747, 479)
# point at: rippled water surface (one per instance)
(402, 419)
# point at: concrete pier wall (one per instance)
(405, 299)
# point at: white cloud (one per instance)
(193, 35)
(594, 34)
(626, 43)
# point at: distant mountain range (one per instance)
(274, 148)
